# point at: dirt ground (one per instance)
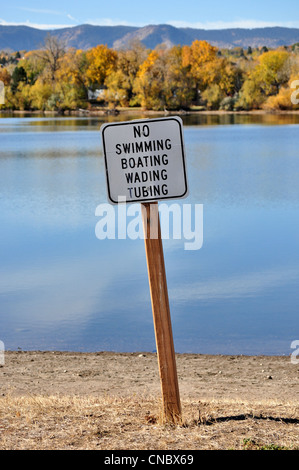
(200, 376)
(113, 401)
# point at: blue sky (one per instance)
(208, 14)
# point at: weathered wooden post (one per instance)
(145, 163)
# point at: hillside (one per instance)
(86, 36)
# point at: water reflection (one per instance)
(189, 119)
(61, 288)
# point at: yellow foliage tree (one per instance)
(41, 92)
(146, 89)
(19, 99)
(198, 54)
(271, 71)
(286, 99)
(101, 63)
(197, 58)
(251, 96)
(162, 82)
(264, 80)
(178, 83)
(72, 73)
(59, 78)
(120, 83)
(5, 76)
(73, 66)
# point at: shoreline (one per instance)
(118, 111)
(136, 353)
(112, 401)
(102, 372)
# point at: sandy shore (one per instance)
(200, 376)
(111, 401)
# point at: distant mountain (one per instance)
(86, 36)
(222, 38)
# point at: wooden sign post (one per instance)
(145, 163)
(161, 312)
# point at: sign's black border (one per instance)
(146, 121)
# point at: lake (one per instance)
(61, 288)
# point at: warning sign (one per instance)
(145, 160)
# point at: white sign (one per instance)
(145, 160)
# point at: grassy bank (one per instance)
(106, 400)
(64, 422)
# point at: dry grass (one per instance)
(114, 423)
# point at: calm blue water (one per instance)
(62, 288)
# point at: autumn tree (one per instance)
(178, 84)
(148, 81)
(120, 83)
(251, 95)
(197, 59)
(271, 72)
(41, 92)
(101, 62)
(33, 64)
(212, 96)
(62, 82)
(72, 72)
(57, 78)
(287, 97)
(162, 81)
(150, 84)
(51, 54)
(5, 76)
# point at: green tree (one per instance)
(33, 65)
(250, 96)
(212, 96)
(19, 75)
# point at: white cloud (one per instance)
(99, 22)
(241, 23)
(71, 17)
(49, 12)
(46, 12)
(35, 25)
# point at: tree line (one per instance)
(199, 76)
